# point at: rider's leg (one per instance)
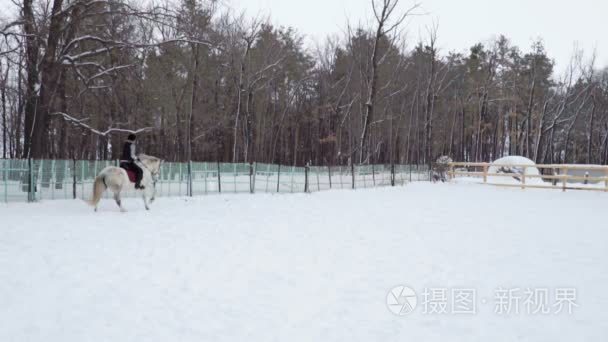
(139, 174)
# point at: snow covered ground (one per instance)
(297, 267)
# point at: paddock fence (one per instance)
(552, 176)
(27, 180)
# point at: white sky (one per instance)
(462, 23)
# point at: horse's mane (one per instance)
(145, 157)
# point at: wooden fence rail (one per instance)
(555, 176)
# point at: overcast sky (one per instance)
(462, 23)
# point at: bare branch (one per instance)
(81, 123)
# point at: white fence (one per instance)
(553, 176)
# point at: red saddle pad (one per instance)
(132, 176)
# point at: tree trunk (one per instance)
(49, 76)
(31, 66)
(195, 52)
(3, 86)
(590, 134)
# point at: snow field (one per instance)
(301, 267)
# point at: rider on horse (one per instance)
(129, 158)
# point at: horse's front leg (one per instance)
(145, 197)
(153, 198)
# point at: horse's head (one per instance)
(152, 164)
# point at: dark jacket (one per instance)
(128, 152)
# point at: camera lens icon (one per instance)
(401, 300)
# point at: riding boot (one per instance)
(139, 186)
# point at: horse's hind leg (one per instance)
(118, 200)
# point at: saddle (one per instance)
(132, 175)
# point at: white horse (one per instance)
(117, 180)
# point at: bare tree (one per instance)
(383, 14)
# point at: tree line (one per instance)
(197, 81)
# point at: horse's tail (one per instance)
(98, 188)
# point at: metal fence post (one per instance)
(374, 175)
(393, 174)
(64, 179)
(306, 169)
(74, 178)
(410, 169)
(82, 164)
(234, 175)
(255, 175)
(189, 178)
(251, 178)
(267, 177)
(39, 175)
(181, 178)
(352, 172)
(53, 180)
(205, 176)
(279, 179)
(169, 177)
(219, 178)
(329, 173)
(30, 190)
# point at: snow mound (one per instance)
(514, 165)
